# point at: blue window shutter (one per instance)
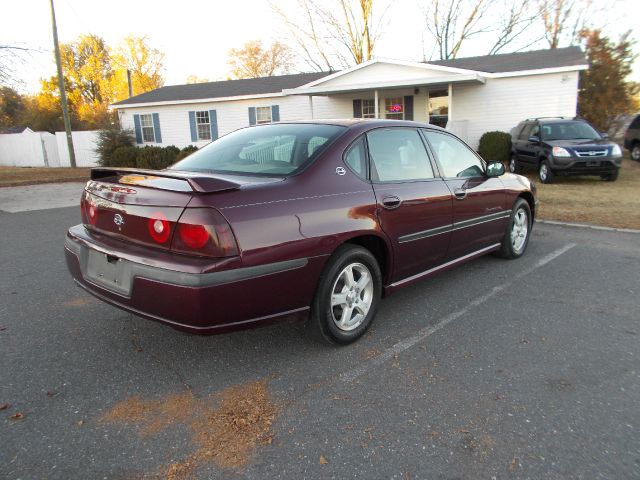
(156, 127)
(252, 115)
(192, 125)
(408, 107)
(275, 113)
(138, 129)
(213, 120)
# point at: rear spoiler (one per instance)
(198, 182)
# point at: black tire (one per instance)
(635, 152)
(545, 174)
(611, 177)
(514, 165)
(508, 250)
(323, 322)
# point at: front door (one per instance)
(414, 206)
(480, 213)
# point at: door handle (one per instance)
(460, 193)
(391, 202)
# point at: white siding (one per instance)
(502, 103)
(383, 72)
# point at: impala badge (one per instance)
(118, 220)
(340, 170)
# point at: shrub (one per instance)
(124, 157)
(156, 158)
(495, 146)
(109, 140)
(186, 151)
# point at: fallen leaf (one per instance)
(17, 416)
(4, 406)
(51, 393)
(80, 423)
(2, 327)
(513, 465)
(323, 461)
(268, 440)
(542, 339)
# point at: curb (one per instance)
(585, 225)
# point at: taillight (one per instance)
(204, 231)
(88, 209)
(159, 227)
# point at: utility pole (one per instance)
(63, 94)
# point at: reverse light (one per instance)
(159, 228)
(616, 151)
(560, 152)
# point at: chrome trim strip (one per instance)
(456, 226)
(468, 256)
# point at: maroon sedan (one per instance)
(316, 218)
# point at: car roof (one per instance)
(373, 122)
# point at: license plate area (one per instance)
(593, 163)
(109, 272)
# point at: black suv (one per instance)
(632, 139)
(562, 146)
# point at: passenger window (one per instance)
(356, 158)
(535, 132)
(398, 154)
(525, 132)
(455, 158)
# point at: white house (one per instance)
(469, 96)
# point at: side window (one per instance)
(525, 133)
(356, 158)
(535, 131)
(454, 157)
(635, 124)
(398, 154)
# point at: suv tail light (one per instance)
(204, 231)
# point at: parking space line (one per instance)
(425, 332)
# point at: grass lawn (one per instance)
(16, 176)
(591, 200)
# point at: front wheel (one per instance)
(610, 177)
(544, 172)
(516, 237)
(514, 166)
(347, 296)
(635, 152)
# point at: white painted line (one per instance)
(586, 225)
(425, 332)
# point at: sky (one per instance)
(196, 35)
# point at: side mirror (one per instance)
(534, 139)
(495, 169)
(604, 136)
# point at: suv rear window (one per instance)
(635, 124)
(272, 150)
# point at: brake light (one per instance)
(159, 228)
(88, 209)
(204, 231)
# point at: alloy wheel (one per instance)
(519, 230)
(351, 296)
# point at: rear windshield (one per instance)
(569, 131)
(273, 150)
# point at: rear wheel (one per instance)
(544, 172)
(347, 296)
(516, 237)
(514, 166)
(635, 152)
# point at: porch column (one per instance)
(377, 107)
(311, 105)
(450, 101)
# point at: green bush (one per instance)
(156, 158)
(109, 140)
(124, 157)
(186, 151)
(495, 146)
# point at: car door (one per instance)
(528, 149)
(414, 204)
(480, 213)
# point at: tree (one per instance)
(9, 56)
(195, 79)
(142, 60)
(334, 33)
(605, 94)
(253, 61)
(11, 107)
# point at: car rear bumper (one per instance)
(160, 288)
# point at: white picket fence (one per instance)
(43, 149)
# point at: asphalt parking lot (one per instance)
(497, 369)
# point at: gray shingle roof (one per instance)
(513, 62)
(228, 88)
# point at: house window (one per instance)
(438, 108)
(203, 124)
(146, 125)
(263, 115)
(368, 108)
(394, 108)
